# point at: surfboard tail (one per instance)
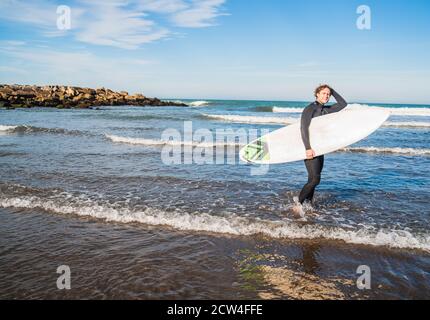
(256, 151)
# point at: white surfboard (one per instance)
(327, 134)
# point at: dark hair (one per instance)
(322, 87)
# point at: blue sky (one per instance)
(227, 49)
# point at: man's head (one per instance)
(323, 93)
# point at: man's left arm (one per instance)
(340, 103)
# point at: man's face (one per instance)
(324, 95)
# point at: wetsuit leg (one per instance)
(317, 169)
(314, 168)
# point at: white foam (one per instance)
(153, 142)
(28, 129)
(179, 101)
(199, 103)
(411, 124)
(286, 121)
(231, 224)
(7, 128)
(394, 111)
(405, 151)
(142, 141)
(287, 110)
(252, 119)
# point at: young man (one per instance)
(314, 165)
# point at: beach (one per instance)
(91, 189)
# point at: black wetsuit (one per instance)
(314, 166)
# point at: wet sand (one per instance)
(134, 261)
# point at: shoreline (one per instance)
(70, 97)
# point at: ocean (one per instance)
(154, 203)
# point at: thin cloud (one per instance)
(67, 67)
(42, 14)
(11, 43)
(187, 14)
(200, 14)
(163, 6)
(118, 23)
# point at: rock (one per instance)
(77, 98)
(16, 96)
(70, 92)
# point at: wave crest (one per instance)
(33, 129)
(153, 142)
(404, 151)
(410, 124)
(252, 119)
(7, 128)
(425, 112)
(199, 103)
(290, 120)
(202, 222)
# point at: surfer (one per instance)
(314, 165)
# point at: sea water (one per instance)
(91, 188)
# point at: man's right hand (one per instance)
(310, 154)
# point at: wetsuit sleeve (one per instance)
(304, 126)
(340, 105)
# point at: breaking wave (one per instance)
(32, 129)
(65, 203)
(410, 124)
(199, 103)
(154, 142)
(286, 110)
(290, 120)
(394, 111)
(251, 119)
(404, 151)
(7, 128)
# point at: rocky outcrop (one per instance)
(25, 96)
